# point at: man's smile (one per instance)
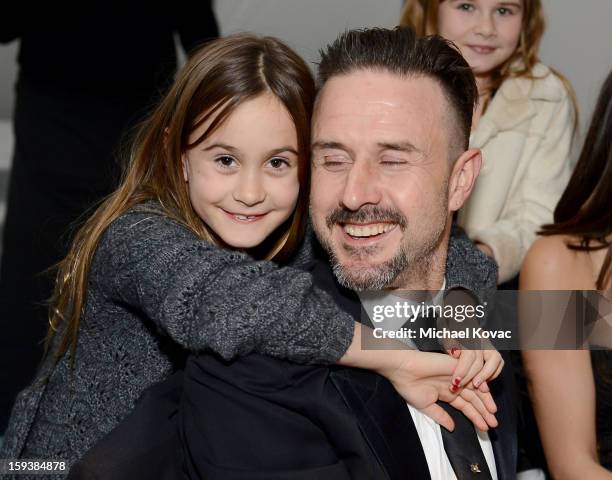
(366, 233)
(361, 230)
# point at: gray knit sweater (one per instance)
(157, 291)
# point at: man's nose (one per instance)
(249, 190)
(486, 25)
(361, 187)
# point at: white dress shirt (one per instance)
(429, 431)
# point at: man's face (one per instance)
(379, 197)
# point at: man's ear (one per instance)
(463, 177)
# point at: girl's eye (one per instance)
(504, 11)
(466, 7)
(278, 163)
(225, 161)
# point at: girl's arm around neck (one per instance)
(205, 297)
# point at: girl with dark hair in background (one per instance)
(570, 389)
(524, 122)
(218, 178)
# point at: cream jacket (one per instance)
(525, 136)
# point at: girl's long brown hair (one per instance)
(216, 79)
(585, 208)
(422, 15)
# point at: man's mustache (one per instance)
(366, 215)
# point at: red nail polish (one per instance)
(457, 381)
(454, 388)
(454, 350)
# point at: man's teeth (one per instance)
(368, 230)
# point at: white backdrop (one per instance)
(578, 41)
(306, 25)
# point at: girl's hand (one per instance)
(475, 367)
(470, 398)
(422, 379)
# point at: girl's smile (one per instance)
(482, 49)
(245, 218)
(486, 31)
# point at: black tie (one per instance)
(463, 449)
(461, 445)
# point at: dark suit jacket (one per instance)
(263, 418)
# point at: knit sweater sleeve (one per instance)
(205, 297)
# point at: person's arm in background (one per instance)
(561, 382)
(563, 394)
(196, 24)
(533, 203)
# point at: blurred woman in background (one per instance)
(524, 122)
(572, 389)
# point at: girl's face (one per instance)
(243, 178)
(486, 31)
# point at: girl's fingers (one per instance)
(490, 370)
(477, 406)
(454, 351)
(484, 387)
(482, 406)
(499, 369)
(482, 402)
(421, 396)
(475, 368)
(486, 398)
(464, 364)
(440, 416)
(471, 413)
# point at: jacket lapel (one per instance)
(382, 414)
(387, 425)
(385, 421)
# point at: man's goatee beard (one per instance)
(370, 278)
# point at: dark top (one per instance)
(111, 48)
(156, 291)
(260, 418)
(88, 73)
